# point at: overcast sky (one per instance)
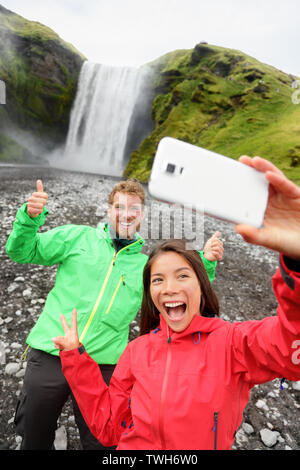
(133, 32)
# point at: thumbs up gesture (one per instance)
(213, 249)
(37, 200)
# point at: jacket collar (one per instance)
(103, 232)
(198, 324)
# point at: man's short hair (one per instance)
(130, 186)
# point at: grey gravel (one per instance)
(243, 284)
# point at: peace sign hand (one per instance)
(70, 340)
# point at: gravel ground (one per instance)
(243, 284)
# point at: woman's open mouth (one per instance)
(175, 310)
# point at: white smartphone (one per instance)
(207, 182)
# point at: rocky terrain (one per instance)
(243, 283)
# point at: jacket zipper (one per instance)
(102, 292)
(163, 395)
(215, 429)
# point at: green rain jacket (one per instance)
(105, 286)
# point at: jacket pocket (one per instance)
(123, 303)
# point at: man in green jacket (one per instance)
(100, 273)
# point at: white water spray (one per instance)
(100, 118)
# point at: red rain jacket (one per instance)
(189, 391)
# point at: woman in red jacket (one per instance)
(183, 384)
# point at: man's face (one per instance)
(126, 214)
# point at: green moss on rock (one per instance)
(40, 72)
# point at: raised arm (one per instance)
(26, 245)
(105, 409)
(281, 226)
(270, 348)
(267, 349)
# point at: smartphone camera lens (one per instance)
(170, 168)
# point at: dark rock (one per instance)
(200, 51)
(168, 80)
(222, 68)
(237, 100)
(251, 77)
(260, 89)
(3, 444)
(176, 97)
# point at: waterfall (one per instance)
(100, 118)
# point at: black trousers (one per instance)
(44, 393)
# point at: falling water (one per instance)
(100, 117)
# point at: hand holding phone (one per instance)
(281, 230)
(252, 192)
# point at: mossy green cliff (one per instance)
(40, 72)
(225, 101)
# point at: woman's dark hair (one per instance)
(209, 306)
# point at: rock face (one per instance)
(40, 72)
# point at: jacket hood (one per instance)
(198, 324)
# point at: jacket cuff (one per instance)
(291, 264)
(25, 219)
(210, 266)
(72, 352)
(290, 276)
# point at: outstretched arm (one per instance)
(267, 349)
(270, 348)
(26, 245)
(105, 409)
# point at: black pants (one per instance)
(44, 393)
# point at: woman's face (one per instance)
(175, 290)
